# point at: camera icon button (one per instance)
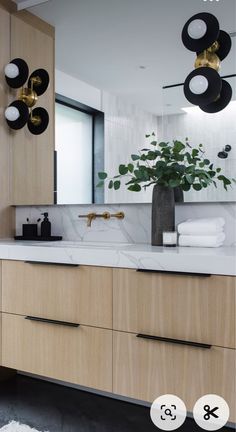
(168, 412)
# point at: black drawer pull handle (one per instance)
(50, 321)
(174, 273)
(174, 341)
(52, 263)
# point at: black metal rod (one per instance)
(181, 84)
(52, 263)
(174, 272)
(174, 341)
(50, 321)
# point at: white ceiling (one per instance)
(24, 4)
(103, 42)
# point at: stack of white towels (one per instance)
(208, 232)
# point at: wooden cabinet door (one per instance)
(80, 355)
(33, 155)
(80, 294)
(145, 369)
(195, 308)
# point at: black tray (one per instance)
(38, 238)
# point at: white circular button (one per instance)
(211, 412)
(197, 29)
(198, 84)
(168, 412)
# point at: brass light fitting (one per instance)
(208, 59)
(203, 86)
(20, 112)
(28, 96)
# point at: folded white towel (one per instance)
(202, 241)
(200, 226)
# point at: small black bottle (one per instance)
(45, 226)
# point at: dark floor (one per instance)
(54, 408)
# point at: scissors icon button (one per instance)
(210, 412)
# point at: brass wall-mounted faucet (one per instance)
(106, 215)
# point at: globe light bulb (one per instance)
(198, 84)
(197, 29)
(12, 114)
(11, 70)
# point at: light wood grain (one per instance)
(33, 155)
(76, 294)
(80, 355)
(8, 5)
(200, 309)
(7, 214)
(144, 370)
(36, 22)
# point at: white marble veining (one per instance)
(134, 228)
(139, 256)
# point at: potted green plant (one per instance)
(172, 168)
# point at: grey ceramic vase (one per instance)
(163, 213)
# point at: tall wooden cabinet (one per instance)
(26, 162)
(33, 40)
(7, 219)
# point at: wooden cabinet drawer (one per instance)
(80, 294)
(81, 355)
(194, 308)
(145, 369)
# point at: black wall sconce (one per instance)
(225, 152)
(20, 112)
(204, 86)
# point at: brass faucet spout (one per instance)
(105, 215)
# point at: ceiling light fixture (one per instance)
(204, 86)
(20, 112)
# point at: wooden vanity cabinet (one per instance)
(144, 369)
(78, 294)
(175, 334)
(132, 333)
(80, 355)
(195, 308)
(57, 321)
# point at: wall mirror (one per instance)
(115, 57)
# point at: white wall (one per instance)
(76, 89)
(214, 131)
(134, 228)
(125, 128)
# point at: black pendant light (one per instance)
(20, 111)
(200, 32)
(38, 121)
(39, 81)
(16, 73)
(204, 86)
(221, 102)
(17, 115)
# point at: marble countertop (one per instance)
(221, 261)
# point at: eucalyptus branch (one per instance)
(172, 165)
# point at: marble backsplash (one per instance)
(134, 228)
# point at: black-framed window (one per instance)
(79, 152)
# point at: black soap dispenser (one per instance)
(45, 226)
